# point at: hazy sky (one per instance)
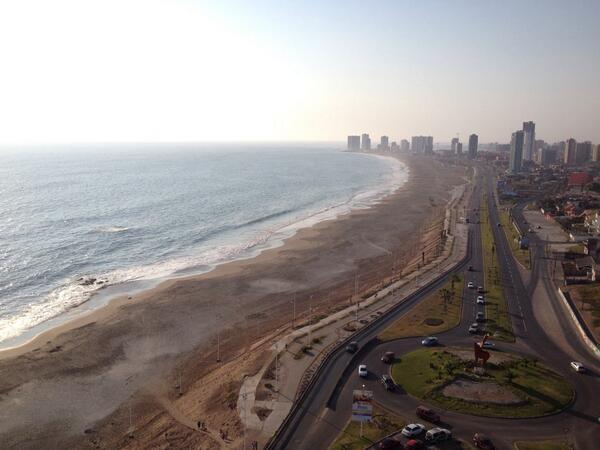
(193, 70)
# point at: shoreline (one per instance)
(85, 375)
(104, 296)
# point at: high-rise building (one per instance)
(548, 156)
(453, 145)
(473, 143)
(570, 151)
(528, 140)
(596, 154)
(353, 143)
(459, 148)
(365, 142)
(404, 145)
(516, 152)
(422, 144)
(385, 142)
(583, 152)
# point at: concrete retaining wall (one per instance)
(581, 327)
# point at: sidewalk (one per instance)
(266, 398)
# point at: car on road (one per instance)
(578, 367)
(387, 382)
(480, 290)
(499, 224)
(539, 227)
(480, 300)
(429, 341)
(470, 268)
(480, 317)
(388, 357)
(428, 414)
(413, 444)
(362, 371)
(413, 429)
(352, 347)
(488, 344)
(470, 285)
(438, 435)
(474, 328)
(483, 442)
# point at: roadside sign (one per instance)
(362, 405)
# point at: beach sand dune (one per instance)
(87, 374)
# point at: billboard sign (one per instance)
(362, 405)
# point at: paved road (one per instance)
(326, 408)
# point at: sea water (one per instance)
(75, 220)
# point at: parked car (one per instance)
(429, 341)
(387, 382)
(388, 357)
(483, 442)
(480, 317)
(390, 444)
(413, 429)
(413, 444)
(470, 285)
(480, 299)
(362, 371)
(428, 414)
(499, 224)
(488, 344)
(539, 227)
(352, 347)
(470, 268)
(438, 435)
(578, 367)
(474, 328)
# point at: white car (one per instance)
(577, 366)
(480, 300)
(471, 285)
(474, 328)
(362, 371)
(413, 429)
(438, 434)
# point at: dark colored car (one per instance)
(413, 444)
(352, 347)
(480, 317)
(470, 269)
(483, 442)
(390, 444)
(388, 357)
(387, 382)
(428, 414)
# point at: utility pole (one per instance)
(294, 312)
(218, 346)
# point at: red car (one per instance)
(483, 442)
(428, 414)
(413, 444)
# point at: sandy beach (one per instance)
(148, 364)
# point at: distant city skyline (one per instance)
(201, 71)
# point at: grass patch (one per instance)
(586, 298)
(512, 236)
(497, 322)
(425, 372)
(432, 315)
(543, 445)
(383, 423)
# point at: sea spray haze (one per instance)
(73, 220)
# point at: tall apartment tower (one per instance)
(583, 152)
(596, 153)
(528, 140)
(570, 151)
(459, 148)
(353, 143)
(453, 145)
(404, 146)
(516, 152)
(473, 144)
(385, 142)
(366, 142)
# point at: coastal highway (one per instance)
(325, 409)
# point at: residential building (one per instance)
(453, 145)
(548, 156)
(365, 142)
(596, 153)
(404, 146)
(583, 152)
(422, 144)
(459, 148)
(384, 142)
(353, 143)
(528, 140)
(570, 151)
(473, 143)
(516, 152)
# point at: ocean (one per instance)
(89, 222)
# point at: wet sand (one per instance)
(86, 374)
